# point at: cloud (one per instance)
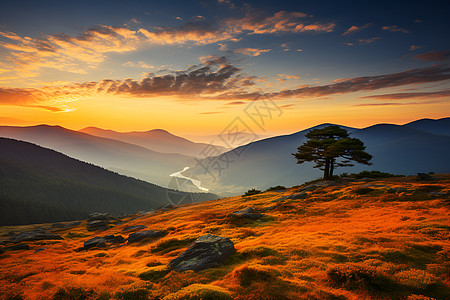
(236, 103)
(210, 112)
(396, 103)
(414, 47)
(251, 51)
(354, 29)
(257, 22)
(366, 41)
(434, 56)
(82, 53)
(397, 96)
(394, 28)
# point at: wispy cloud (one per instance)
(354, 29)
(368, 41)
(396, 103)
(421, 95)
(434, 56)
(251, 51)
(414, 47)
(82, 53)
(395, 28)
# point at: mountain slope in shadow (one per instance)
(41, 185)
(125, 158)
(157, 140)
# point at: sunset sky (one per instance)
(193, 67)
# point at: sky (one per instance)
(202, 67)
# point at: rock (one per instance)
(66, 225)
(438, 193)
(101, 242)
(397, 190)
(297, 196)
(35, 235)
(18, 247)
(146, 234)
(313, 186)
(93, 242)
(166, 207)
(268, 208)
(249, 213)
(206, 252)
(39, 250)
(114, 239)
(99, 221)
(131, 228)
(425, 177)
(281, 199)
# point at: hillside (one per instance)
(157, 140)
(348, 239)
(41, 185)
(124, 158)
(397, 149)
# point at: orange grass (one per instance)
(335, 244)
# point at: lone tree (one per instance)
(331, 147)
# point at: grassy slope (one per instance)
(335, 244)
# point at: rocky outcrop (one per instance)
(206, 252)
(35, 235)
(99, 221)
(249, 213)
(146, 234)
(101, 242)
(132, 228)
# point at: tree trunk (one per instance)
(327, 169)
(331, 168)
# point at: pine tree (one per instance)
(331, 147)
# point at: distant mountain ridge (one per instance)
(398, 149)
(122, 157)
(41, 185)
(157, 140)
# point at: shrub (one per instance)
(171, 245)
(357, 276)
(200, 292)
(141, 294)
(154, 275)
(251, 192)
(275, 188)
(371, 174)
(416, 279)
(248, 275)
(362, 190)
(72, 293)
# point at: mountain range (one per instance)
(41, 185)
(158, 140)
(419, 146)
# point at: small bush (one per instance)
(248, 275)
(200, 292)
(276, 188)
(251, 192)
(355, 276)
(141, 294)
(73, 293)
(372, 174)
(363, 190)
(154, 275)
(417, 279)
(171, 245)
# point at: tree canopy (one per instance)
(331, 147)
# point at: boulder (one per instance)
(425, 177)
(99, 221)
(146, 234)
(297, 196)
(100, 242)
(18, 247)
(249, 213)
(35, 235)
(206, 252)
(131, 228)
(39, 250)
